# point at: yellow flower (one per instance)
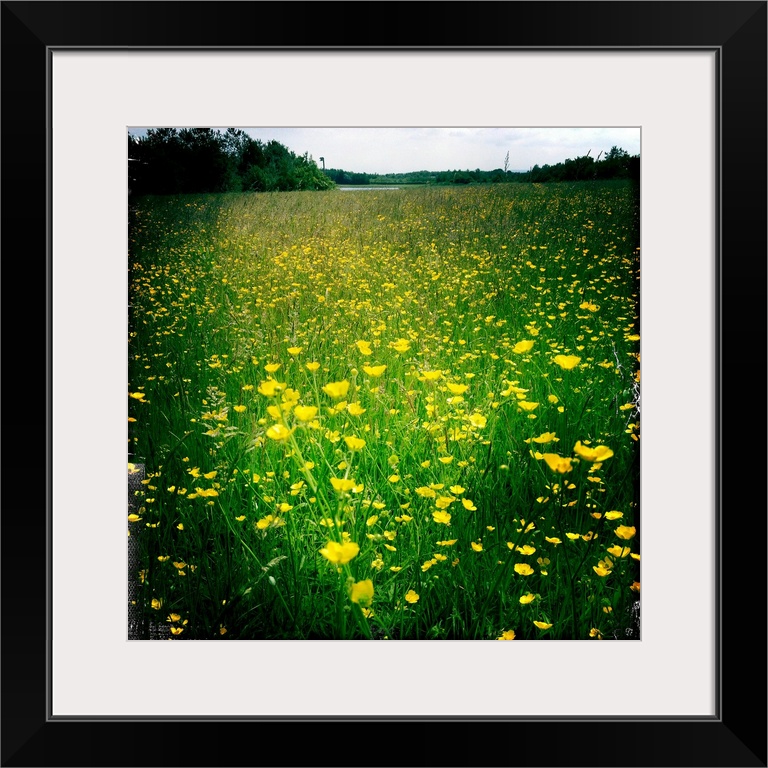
(355, 409)
(557, 463)
(601, 570)
(336, 389)
(457, 389)
(177, 630)
(441, 517)
(426, 492)
(361, 592)
(477, 547)
(553, 399)
(567, 362)
(553, 540)
(457, 489)
(342, 484)
(364, 347)
(278, 432)
(430, 375)
(598, 453)
(545, 437)
(527, 405)
(445, 459)
(270, 387)
(372, 520)
(542, 624)
(340, 553)
(272, 367)
(625, 531)
(312, 367)
(354, 443)
(294, 350)
(523, 569)
(134, 518)
(156, 604)
(443, 502)
(525, 599)
(618, 551)
(305, 412)
(478, 420)
(447, 543)
(522, 347)
(411, 596)
(508, 635)
(401, 345)
(137, 395)
(239, 409)
(374, 371)
(613, 515)
(468, 504)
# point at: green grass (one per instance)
(466, 484)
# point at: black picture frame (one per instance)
(736, 736)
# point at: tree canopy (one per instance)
(187, 160)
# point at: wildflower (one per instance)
(430, 375)
(156, 604)
(355, 409)
(477, 547)
(426, 492)
(134, 518)
(401, 345)
(457, 389)
(523, 569)
(342, 484)
(364, 347)
(557, 463)
(447, 543)
(542, 624)
(177, 630)
(312, 367)
(445, 459)
(411, 597)
(618, 551)
(336, 389)
(441, 517)
(239, 409)
(508, 635)
(595, 632)
(457, 489)
(294, 350)
(625, 531)
(305, 412)
(374, 371)
(598, 453)
(340, 553)
(553, 399)
(566, 362)
(354, 443)
(553, 540)
(278, 432)
(545, 437)
(270, 387)
(467, 504)
(522, 347)
(443, 502)
(525, 599)
(372, 520)
(361, 592)
(478, 420)
(272, 367)
(601, 570)
(137, 395)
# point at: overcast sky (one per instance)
(399, 150)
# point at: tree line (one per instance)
(187, 160)
(201, 160)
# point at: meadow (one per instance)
(393, 414)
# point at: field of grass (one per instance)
(407, 414)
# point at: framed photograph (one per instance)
(689, 79)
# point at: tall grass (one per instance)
(404, 414)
